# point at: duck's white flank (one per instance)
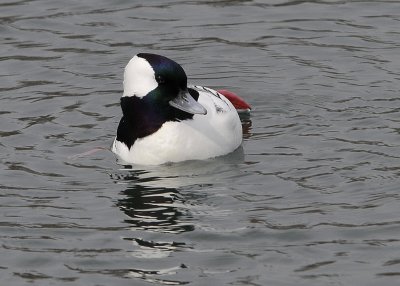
(217, 133)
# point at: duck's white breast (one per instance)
(217, 133)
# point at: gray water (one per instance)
(312, 198)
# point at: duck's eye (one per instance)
(160, 79)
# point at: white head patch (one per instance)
(139, 78)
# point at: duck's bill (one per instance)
(185, 102)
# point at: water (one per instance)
(311, 199)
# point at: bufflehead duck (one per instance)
(165, 120)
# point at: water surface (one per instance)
(311, 198)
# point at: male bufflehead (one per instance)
(165, 120)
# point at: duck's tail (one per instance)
(237, 101)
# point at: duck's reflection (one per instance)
(160, 199)
(154, 209)
(246, 125)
